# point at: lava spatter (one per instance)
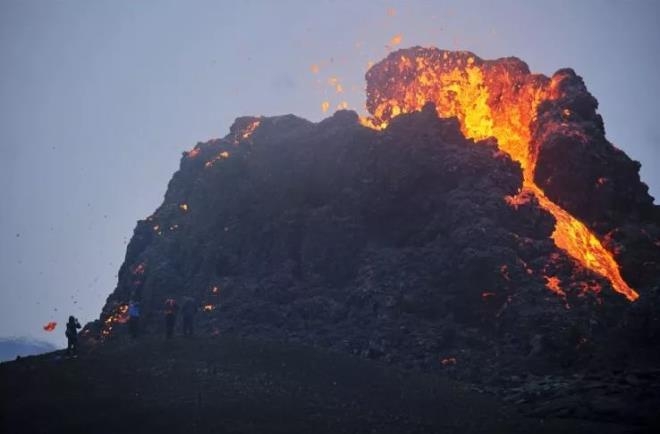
(498, 99)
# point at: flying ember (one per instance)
(50, 326)
(490, 99)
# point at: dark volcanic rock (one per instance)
(583, 172)
(403, 244)
(395, 244)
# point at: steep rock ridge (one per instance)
(549, 125)
(413, 236)
(580, 169)
(394, 244)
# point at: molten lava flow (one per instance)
(490, 99)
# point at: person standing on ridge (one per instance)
(171, 309)
(188, 311)
(71, 333)
(133, 318)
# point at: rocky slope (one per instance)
(404, 245)
(394, 244)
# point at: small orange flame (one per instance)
(119, 316)
(50, 326)
(552, 283)
(247, 132)
(208, 307)
(221, 156)
(396, 40)
(183, 207)
(325, 105)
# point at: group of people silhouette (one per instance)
(171, 312)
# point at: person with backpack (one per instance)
(71, 333)
(171, 309)
(133, 318)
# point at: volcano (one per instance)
(477, 223)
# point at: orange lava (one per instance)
(50, 326)
(552, 283)
(490, 99)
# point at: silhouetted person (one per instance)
(188, 312)
(134, 318)
(71, 333)
(171, 309)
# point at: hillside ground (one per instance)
(225, 384)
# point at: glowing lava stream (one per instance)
(490, 99)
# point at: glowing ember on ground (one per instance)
(50, 326)
(119, 316)
(183, 207)
(448, 361)
(208, 307)
(215, 290)
(552, 283)
(489, 100)
(486, 295)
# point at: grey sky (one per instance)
(99, 98)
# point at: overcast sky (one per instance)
(99, 98)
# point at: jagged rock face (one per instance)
(395, 244)
(405, 243)
(578, 168)
(605, 218)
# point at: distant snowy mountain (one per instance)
(12, 347)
